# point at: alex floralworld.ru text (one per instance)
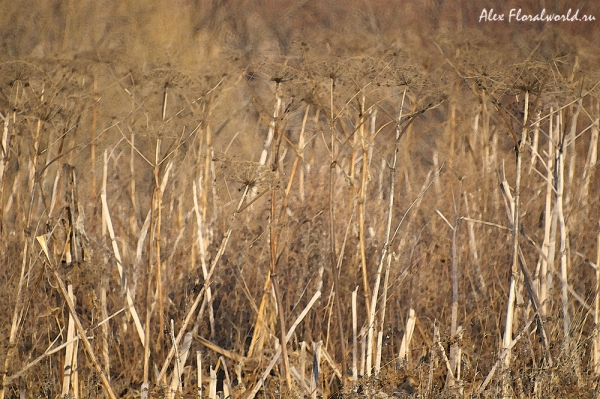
(517, 15)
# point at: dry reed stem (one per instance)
(201, 245)
(560, 154)
(123, 280)
(354, 337)
(515, 206)
(455, 348)
(199, 372)
(404, 352)
(69, 366)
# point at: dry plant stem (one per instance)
(403, 356)
(473, 247)
(132, 172)
(332, 245)
(354, 337)
(68, 365)
(272, 127)
(386, 244)
(212, 386)
(362, 198)
(199, 372)
(301, 146)
(592, 156)
(201, 247)
(192, 310)
(123, 280)
(535, 142)
(258, 336)
(86, 343)
(560, 189)
(543, 274)
(156, 233)
(274, 247)
(3, 162)
(93, 138)
(454, 350)
(382, 316)
(149, 296)
(515, 225)
(569, 149)
(105, 327)
(175, 385)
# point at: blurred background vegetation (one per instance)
(153, 33)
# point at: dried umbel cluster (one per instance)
(246, 174)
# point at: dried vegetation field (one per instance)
(347, 215)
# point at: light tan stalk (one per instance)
(123, 280)
(592, 157)
(455, 348)
(516, 222)
(68, 364)
(387, 241)
(362, 199)
(543, 274)
(354, 337)
(560, 199)
(201, 246)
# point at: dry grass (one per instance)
(240, 186)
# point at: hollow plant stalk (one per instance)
(592, 156)
(455, 349)
(362, 199)
(510, 311)
(560, 198)
(68, 364)
(388, 229)
(543, 274)
(201, 246)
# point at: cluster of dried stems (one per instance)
(376, 223)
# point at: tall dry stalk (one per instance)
(454, 327)
(386, 244)
(516, 222)
(592, 157)
(3, 161)
(362, 199)
(560, 153)
(548, 217)
(333, 252)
